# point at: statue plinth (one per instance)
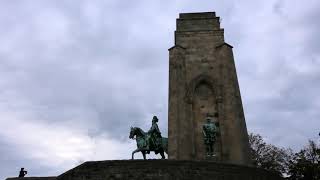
(160, 170)
(213, 157)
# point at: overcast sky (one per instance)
(75, 75)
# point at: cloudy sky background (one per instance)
(75, 75)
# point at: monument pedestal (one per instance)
(213, 158)
(162, 170)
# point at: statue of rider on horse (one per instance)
(149, 141)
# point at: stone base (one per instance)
(212, 158)
(163, 170)
(34, 178)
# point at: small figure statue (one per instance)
(22, 172)
(210, 130)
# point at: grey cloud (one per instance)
(102, 66)
(277, 56)
(13, 159)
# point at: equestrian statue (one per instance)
(149, 141)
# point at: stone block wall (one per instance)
(164, 170)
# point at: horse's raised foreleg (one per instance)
(137, 150)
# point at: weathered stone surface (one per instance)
(203, 79)
(33, 178)
(164, 170)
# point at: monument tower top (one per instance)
(198, 22)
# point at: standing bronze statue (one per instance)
(150, 141)
(210, 132)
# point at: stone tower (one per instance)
(202, 80)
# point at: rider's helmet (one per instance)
(155, 119)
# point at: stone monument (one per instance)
(207, 132)
(203, 80)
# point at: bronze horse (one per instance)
(141, 138)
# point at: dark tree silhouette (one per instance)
(305, 164)
(268, 156)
